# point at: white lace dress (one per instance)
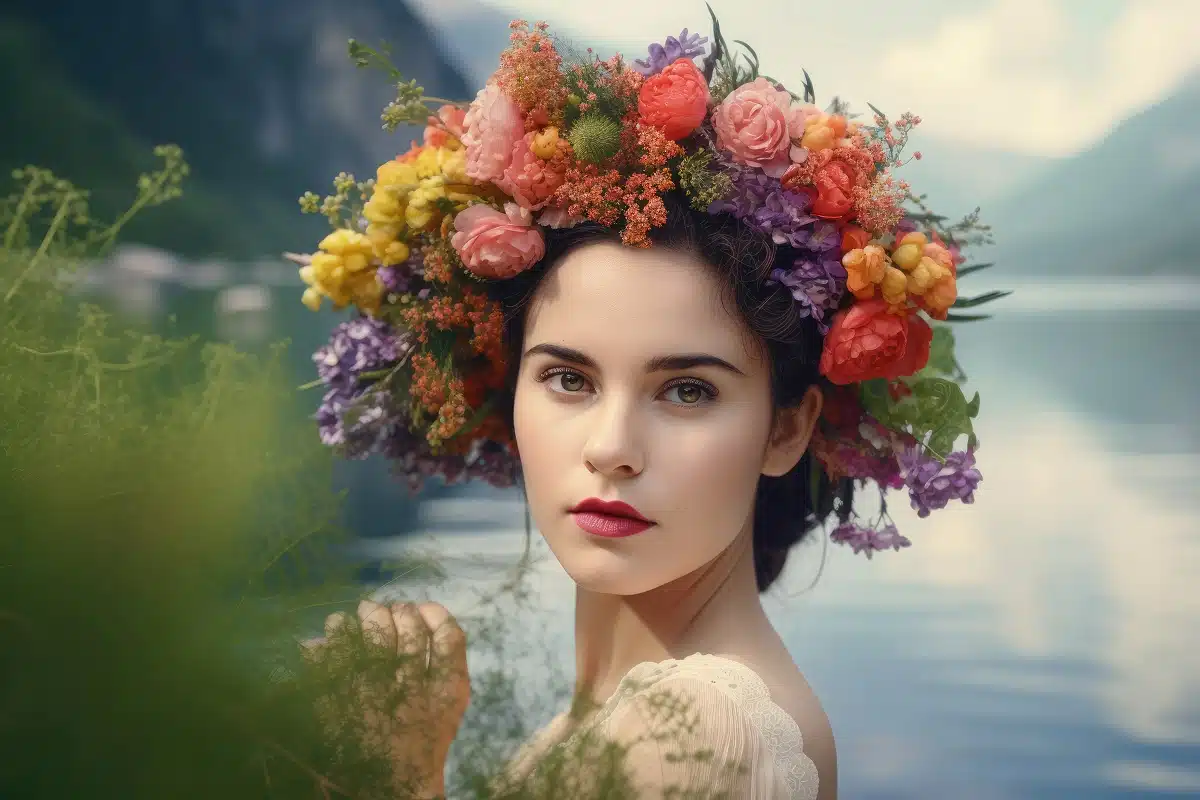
(735, 741)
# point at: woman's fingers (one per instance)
(333, 623)
(377, 625)
(412, 634)
(448, 655)
(447, 639)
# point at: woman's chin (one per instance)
(597, 566)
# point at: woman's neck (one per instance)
(715, 609)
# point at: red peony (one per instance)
(675, 100)
(868, 341)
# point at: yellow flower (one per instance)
(386, 206)
(894, 286)
(381, 235)
(926, 274)
(454, 166)
(343, 270)
(393, 253)
(423, 203)
(545, 143)
(909, 251)
(396, 173)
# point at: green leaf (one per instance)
(753, 55)
(963, 271)
(967, 317)
(810, 94)
(978, 300)
(936, 411)
(942, 362)
(877, 112)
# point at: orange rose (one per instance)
(868, 341)
(836, 182)
(675, 100)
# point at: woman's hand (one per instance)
(436, 687)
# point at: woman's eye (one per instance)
(688, 394)
(566, 382)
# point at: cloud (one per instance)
(1026, 75)
(1038, 76)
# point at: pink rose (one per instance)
(528, 179)
(492, 126)
(756, 124)
(494, 244)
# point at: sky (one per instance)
(1040, 77)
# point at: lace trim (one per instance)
(742, 685)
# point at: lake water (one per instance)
(1042, 643)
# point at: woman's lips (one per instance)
(609, 525)
(609, 518)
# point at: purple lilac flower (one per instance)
(414, 461)
(355, 347)
(932, 484)
(816, 284)
(762, 203)
(869, 540)
(356, 426)
(405, 276)
(688, 45)
(824, 238)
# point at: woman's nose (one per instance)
(613, 447)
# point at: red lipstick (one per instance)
(611, 519)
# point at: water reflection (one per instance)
(1042, 643)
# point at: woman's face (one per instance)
(637, 385)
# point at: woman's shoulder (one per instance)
(720, 702)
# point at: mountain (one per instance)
(260, 94)
(1127, 206)
(958, 178)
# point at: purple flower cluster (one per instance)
(355, 347)
(816, 284)
(354, 415)
(360, 416)
(407, 276)
(688, 45)
(414, 461)
(869, 540)
(816, 277)
(761, 202)
(932, 484)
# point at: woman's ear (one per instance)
(792, 432)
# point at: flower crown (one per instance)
(551, 142)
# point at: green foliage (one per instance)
(703, 186)
(411, 106)
(169, 533)
(933, 408)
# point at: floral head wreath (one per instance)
(550, 142)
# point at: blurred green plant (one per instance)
(169, 533)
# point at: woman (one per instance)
(705, 321)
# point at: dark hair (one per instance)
(785, 508)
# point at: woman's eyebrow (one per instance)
(668, 363)
(684, 361)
